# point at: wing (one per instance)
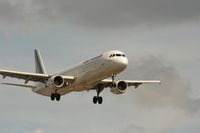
(135, 83)
(36, 77)
(20, 85)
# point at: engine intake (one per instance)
(119, 87)
(56, 81)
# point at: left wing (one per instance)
(36, 77)
(20, 85)
(135, 83)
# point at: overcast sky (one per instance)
(160, 38)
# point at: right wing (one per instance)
(135, 83)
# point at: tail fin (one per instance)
(39, 66)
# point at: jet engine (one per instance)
(119, 87)
(55, 81)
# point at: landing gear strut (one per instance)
(113, 77)
(98, 98)
(55, 96)
(113, 80)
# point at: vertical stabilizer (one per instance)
(39, 66)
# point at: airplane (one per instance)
(97, 74)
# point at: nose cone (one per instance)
(120, 63)
(124, 62)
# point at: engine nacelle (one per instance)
(119, 87)
(55, 81)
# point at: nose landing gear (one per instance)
(97, 99)
(113, 80)
(100, 88)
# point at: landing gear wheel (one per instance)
(57, 97)
(95, 99)
(100, 100)
(53, 96)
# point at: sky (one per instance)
(159, 37)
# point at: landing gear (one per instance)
(113, 80)
(55, 96)
(113, 77)
(98, 98)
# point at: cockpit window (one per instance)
(113, 55)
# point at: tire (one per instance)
(95, 99)
(58, 97)
(100, 100)
(53, 96)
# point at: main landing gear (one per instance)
(100, 88)
(55, 96)
(98, 98)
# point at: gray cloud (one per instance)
(99, 14)
(39, 131)
(173, 92)
(163, 107)
(133, 128)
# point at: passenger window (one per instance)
(118, 54)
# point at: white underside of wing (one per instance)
(36, 77)
(135, 83)
(24, 75)
(20, 85)
(142, 81)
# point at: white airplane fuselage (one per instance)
(88, 73)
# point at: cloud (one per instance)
(133, 128)
(98, 14)
(39, 131)
(162, 107)
(173, 92)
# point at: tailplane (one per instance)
(39, 66)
